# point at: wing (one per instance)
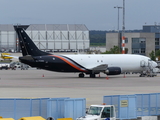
(99, 68)
(6, 56)
(10, 56)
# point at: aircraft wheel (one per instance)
(81, 75)
(92, 75)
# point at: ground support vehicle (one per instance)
(100, 112)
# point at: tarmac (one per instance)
(35, 83)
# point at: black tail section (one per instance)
(27, 45)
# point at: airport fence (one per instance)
(148, 104)
(45, 107)
(17, 108)
(125, 105)
(66, 108)
(133, 106)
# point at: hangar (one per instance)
(48, 37)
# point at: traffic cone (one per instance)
(43, 75)
(124, 75)
(107, 77)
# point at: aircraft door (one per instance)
(143, 63)
(150, 64)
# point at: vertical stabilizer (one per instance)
(27, 45)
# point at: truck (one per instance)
(108, 112)
(100, 112)
(5, 66)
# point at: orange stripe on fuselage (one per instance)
(69, 63)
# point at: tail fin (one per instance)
(27, 45)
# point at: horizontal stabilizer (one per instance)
(27, 57)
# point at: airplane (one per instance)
(89, 64)
(6, 56)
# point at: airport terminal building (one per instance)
(143, 42)
(48, 37)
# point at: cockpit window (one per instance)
(94, 110)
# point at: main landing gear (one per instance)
(81, 75)
(92, 75)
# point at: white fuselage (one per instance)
(127, 62)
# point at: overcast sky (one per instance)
(95, 14)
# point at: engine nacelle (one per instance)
(113, 71)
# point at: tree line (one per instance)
(155, 55)
(97, 37)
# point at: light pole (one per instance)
(118, 15)
(123, 29)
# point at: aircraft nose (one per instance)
(154, 64)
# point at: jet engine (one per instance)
(113, 71)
